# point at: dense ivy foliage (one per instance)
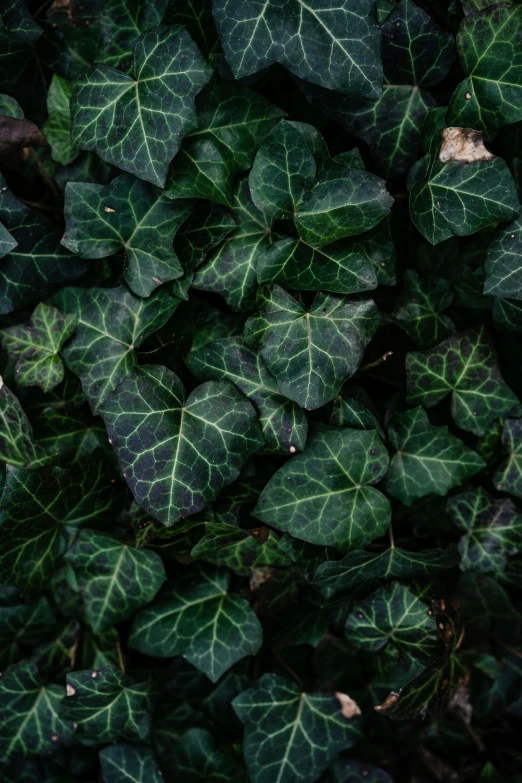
(261, 391)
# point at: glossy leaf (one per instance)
(116, 115)
(163, 439)
(503, 269)
(202, 621)
(324, 495)
(129, 764)
(290, 734)
(311, 351)
(428, 459)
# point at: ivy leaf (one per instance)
(197, 757)
(7, 242)
(351, 408)
(464, 189)
(202, 621)
(394, 614)
(240, 550)
(352, 771)
(508, 477)
(163, 440)
(492, 530)
(503, 268)
(231, 269)
(35, 347)
(464, 366)
(121, 23)
(199, 170)
(311, 351)
(293, 735)
(114, 578)
(343, 203)
(72, 435)
(41, 507)
(31, 724)
(419, 307)
(335, 47)
(17, 446)
(129, 215)
(338, 576)
(57, 127)
(38, 263)
(107, 705)
(283, 423)
(14, 56)
(112, 323)
(284, 168)
(117, 115)
(129, 764)
(428, 460)
(489, 53)
(344, 267)
(323, 495)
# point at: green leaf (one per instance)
(117, 115)
(121, 24)
(464, 366)
(72, 435)
(237, 549)
(415, 50)
(38, 263)
(352, 408)
(107, 705)
(199, 170)
(10, 107)
(464, 189)
(503, 268)
(197, 757)
(291, 735)
(114, 579)
(129, 215)
(35, 347)
(129, 764)
(283, 423)
(508, 477)
(14, 56)
(40, 508)
(57, 127)
(419, 309)
(428, 459)
(163, 440)
(323, 495)
(344, 267)
(30, 721)
(200, 620)
(231, 269)
(336, 47)
(351, 771)
(338, 576)
(17, 446)
(311, 351)
(112, 323)
(492, 530)
(345, 202)
(7, 242)
(394, 615)
(489, 52)
(284, 168)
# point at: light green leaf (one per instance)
(57, 127)
(200, 620)
(419, 309)
(17, 446)
(503, 266)
(117, 115)
(345, 202)
(291, 735)
(464, 189)
(30, 722)
(129, 215)
(492, 530)
(177, 453)
(237, 549)
(464, 366)
(121, 24)
(231, 269)
(323, 495)
(112, 323)
(129, 764)
(337, 576)
(107, 705)
(428, 460)
(282, 422)
(508, 477)
(35, 347)
(311, 351)
(10, 107)
(114, 579)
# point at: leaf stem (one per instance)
(376, 363)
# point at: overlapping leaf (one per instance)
(503, 269)
(121, 24)
(419, 309)
(17, 445)
(129, 764)
(237, 549)
(508, 477)
(57, 128)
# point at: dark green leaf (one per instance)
(503, 268)
(121, 24)
(508, 477)
(419, 308)
(129, 764)
(17, 446)
(57, 128)
(197, 758)
(239, 550)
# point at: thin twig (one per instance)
(377, 362)
(390, 533)
(120, 656)
(35, 204)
